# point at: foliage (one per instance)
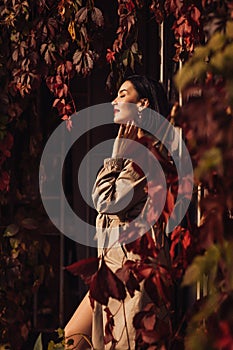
(60, 343)
(193, 21)
(51, 42)
(202, 254)
(206, 117)
(23, 269)
(159, 272)
(42, 41)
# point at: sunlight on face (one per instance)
(125, 104)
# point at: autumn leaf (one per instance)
(112, 286)
(127, 276)
(29, 224)
(97, 17)
(11, 230)
(110, 56)
(109, 326)
(71, 29)
(85, 268)
(144, 246)
(81, 15)
(159, 287)
(77, 57)
(180, 239)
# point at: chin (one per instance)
(121, 120)
(118, 120)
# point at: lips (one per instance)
(116, 110)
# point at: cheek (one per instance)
(126, 113)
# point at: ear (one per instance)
(143, 103)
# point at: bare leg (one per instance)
(80, 322)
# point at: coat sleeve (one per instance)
(119, 186)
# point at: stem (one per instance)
(126, 327)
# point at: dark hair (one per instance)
(151, 89)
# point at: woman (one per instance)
(119, 197)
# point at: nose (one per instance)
(114, 102)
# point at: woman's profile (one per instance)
(119, 196)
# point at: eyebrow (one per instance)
(122, 90)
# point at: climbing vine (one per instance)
(48, 43)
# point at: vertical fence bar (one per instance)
(62, 243)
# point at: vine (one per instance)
(50, 42)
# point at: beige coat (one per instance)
(116, 205)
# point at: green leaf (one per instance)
(229, 29)
(50, 345)
(228, 61)
(38, 344)
(197, 340)
(203, 264)
(60, 332)
(14, 242)
(192, 274)
(217, 62)
(208, 307)
(53, 346)
(217, 42)
(190, 73)
(11, 230)
(228, 256)
(200, 53)
(210, 160)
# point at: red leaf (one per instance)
(109, 327)
(180, 236)
(126, 275)
(85, 268)
(146, 320)
(152, 290)
(143, 271)
(56, 102)
(169, 205)
(158, 286)
(143, 246)
(106, 284)
(110, 56)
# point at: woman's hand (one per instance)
(122, 147)
(128, 131)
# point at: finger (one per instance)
(131, 127)
(121, 131)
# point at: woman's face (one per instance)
(126, 103)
